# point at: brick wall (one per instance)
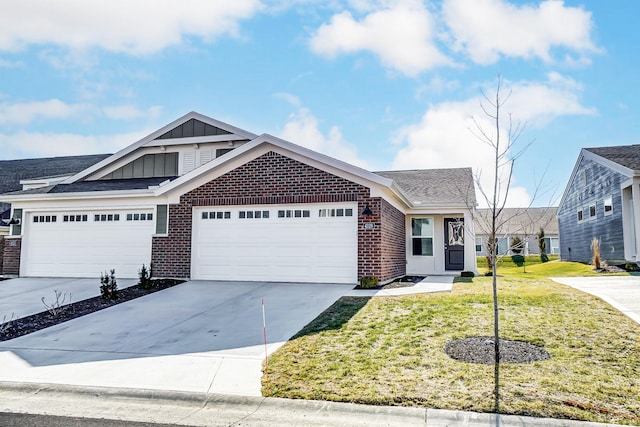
(276, 179)
(393, 243)
(11, 256)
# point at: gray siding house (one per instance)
(602, 200)
(524, 223)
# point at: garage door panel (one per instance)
(302, 248)
(86, 248)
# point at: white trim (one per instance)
(605, 204)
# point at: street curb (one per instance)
(266, 411)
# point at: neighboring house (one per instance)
(21, 174)
(524, 223)
(602, 201)
(202, 199)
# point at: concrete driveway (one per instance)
(199, 336)
(621, 292)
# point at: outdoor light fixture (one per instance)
(14, 221)
(367, 211)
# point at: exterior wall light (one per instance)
(367, 211)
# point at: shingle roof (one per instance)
(519, 220)
(13, 171)
(625, 155)
(99, 185)
(435, 186)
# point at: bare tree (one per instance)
(502, 141)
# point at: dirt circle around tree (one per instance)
(481, 350)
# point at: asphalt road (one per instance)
(32, 420)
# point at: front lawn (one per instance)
(389, 351)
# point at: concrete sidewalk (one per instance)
(196, 409)
(621, 292)
(429, 284)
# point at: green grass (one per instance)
(389, 351)
(554, 268)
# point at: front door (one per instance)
(454, 244)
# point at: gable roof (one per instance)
(426, 187)
(520, 220)
(624, 155)
(192, 128)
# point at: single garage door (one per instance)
(298, 243)
(84, 244)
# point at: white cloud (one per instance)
(139, 27)
(302, 129)
(400, 33)
(23, 113)
(443, 137)
(130, 112)
(24, 145)
(489, 29)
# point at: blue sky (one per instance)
(381, 84)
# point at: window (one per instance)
(324, 213)
(422, 236)
(75, 218)
(162, 219)
(592, 211)
(552, 244)
(216, 215)
(608, 205)
(138, 217)
(503, 246)
(580, 215)
(45, 218)
(478, 244)
(106, 217)
(252, 214)
(297, 213)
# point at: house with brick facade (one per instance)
(202, 199)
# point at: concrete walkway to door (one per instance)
(621, 292)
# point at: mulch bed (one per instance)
(25, 325)
(481, 350)
(404, 282)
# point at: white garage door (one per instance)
(84, 244)
(298, 243)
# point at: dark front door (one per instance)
(454, 244)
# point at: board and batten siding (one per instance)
(592, 184)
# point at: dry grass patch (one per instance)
(389, 351)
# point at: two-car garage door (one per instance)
(86, 243)
(296, 243)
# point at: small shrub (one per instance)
(489, 273)
(368, 282)
(467, 274)
(517, 260)
(6, 324)
(542, 246)
(595, 248)
(56, 307)
(144, 275)
(108, 285)
(631, 266)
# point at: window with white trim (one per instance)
(45, 218)
(592, 211)
(325, 213)
(294, 213)
(580, 215)
(422, 236)
(608, 205)
(75, 218)
(106, 217)
(253, 214)
(139, 217)
(216, 215)
(478, 244)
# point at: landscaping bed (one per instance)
(25, 325)
(391, 351)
